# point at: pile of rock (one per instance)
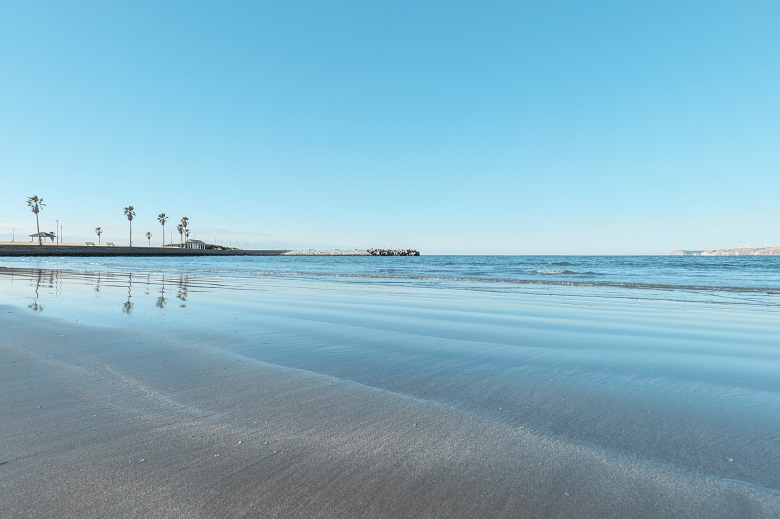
(331, 252)
(352, 252)
(393, 252)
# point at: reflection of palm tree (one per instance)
(127, 307)
(98, 231)
(162, 218)
(161, 300)
(184, 282)
(97, 283)
(35, 306)
(130, 213)
(36, 204)
(149, 237)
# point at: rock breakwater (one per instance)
(329, 252)
(393, 252)
(353, 252)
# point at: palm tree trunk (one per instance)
(131, 233)
(38, 226)
(163, 236)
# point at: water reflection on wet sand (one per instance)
(681, 388)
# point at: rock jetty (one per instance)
(15, 249)
(353, 252)
(329, 252)
(393, 252)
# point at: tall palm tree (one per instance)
(162, 218)
(184, 223)
(180, 228)
(35, 205)
(130, 213)
(149, 237)
(98, 231)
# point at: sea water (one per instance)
(733, 279)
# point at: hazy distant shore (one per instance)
(740, 251)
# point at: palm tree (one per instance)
(130, 213)
(180, 228)
(162, 218)
(149, 237)
(184, 223)
(36, 204)
(98, 231)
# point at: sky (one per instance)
(451, 127)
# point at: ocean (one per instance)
(748, 279)
(663, 369)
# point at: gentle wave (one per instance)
(548, 282)
(411, 278)
(668, 276)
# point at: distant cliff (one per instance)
(741, 251)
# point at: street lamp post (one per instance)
(57, 229)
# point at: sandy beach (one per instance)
(352, 402)
(389, 260)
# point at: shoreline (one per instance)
(140, 251)
(158, 393)
(77, 250)
(147, 424)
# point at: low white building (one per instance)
(194, 244)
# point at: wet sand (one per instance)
(321, 400)
(100, 423)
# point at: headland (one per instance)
(740, 251)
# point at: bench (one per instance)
(89, 243)
(109, 244)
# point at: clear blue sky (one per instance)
(573, 127)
